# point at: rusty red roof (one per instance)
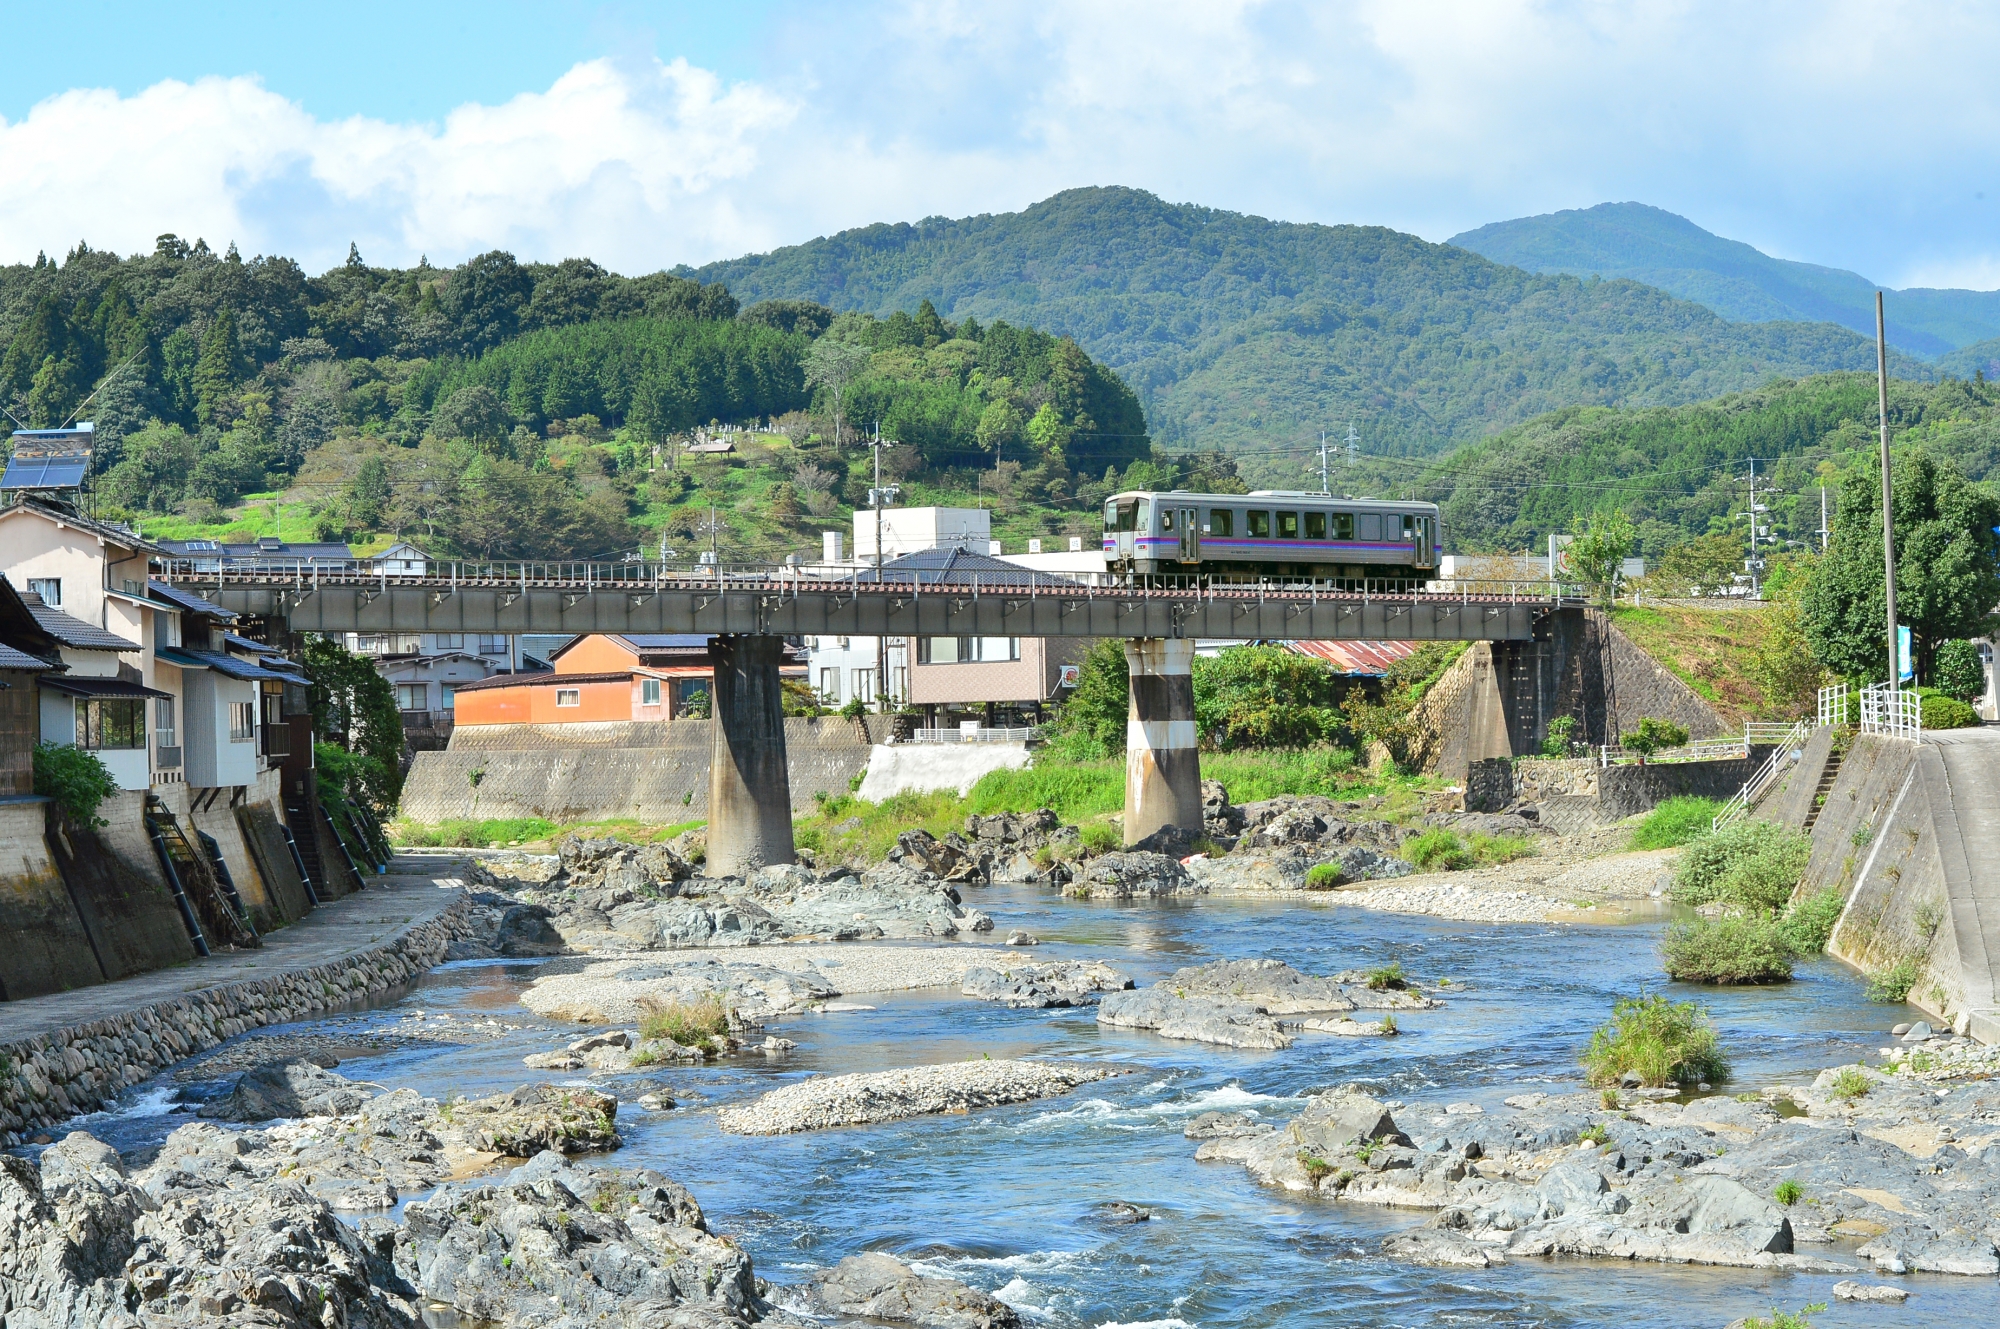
(1368, 658)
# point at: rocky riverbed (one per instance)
(921, 1091)
(1239, 1003)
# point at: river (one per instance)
(1014, 1201)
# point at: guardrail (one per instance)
(995, 735)
(1891, 711)
(1834, 703)
(1786, 752)
(637, 577)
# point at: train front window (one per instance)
(1221, 521)
(1121, 515)
(1343, 526)
(1260, 525)
(1145, 517)
(1315, 526)
(1288, 525)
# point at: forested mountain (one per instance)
(1240, 333)
(1656, 247)
(1682, 470)
(508, 409)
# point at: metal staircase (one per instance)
(211, 912)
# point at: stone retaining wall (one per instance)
(50, 1077)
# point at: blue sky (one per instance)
(1858, 135)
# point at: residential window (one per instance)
(1259, 527)
(829, 686)
(864, 684)
(242, 721)
(49, 588)
(412, 696)
(1288, 525)
(489, 645)
(692, 699)
(113, 722)
(1315, 526)
(569, 696)
(899, 683)
(649, 692)
(367, 644)
(964, 650)
(164, 730)
(1221, 521)
(450, 641)
(999, 648)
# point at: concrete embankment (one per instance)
(71, 1052)
(590, 772)
(1909, 833)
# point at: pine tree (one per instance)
(218, 370)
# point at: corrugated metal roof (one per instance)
(1369, 659)
(549, 680)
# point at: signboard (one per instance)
(1067, 675)
(1905, 671)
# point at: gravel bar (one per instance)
(919, 1091)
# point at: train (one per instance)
(1272, 535)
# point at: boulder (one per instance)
(606, 864)
(1198, 1019)
(1335, 1120)
(298, 1088)
(1225, 1126)
(1039, 986)
(1713, 1207)
(1849, 1290)
(526, 930)
(676, 923)
(538, 1117)
(1123, 876)
(881, 1287)
(1272, 985)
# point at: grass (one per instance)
(1675, 822)
(1389, 977)
(1788, 1193)
(689, 1023)
(1713, 651)
(1850, 1085)
(1442, 850)
(1785, 1319)
(1727, 951)
(464, 832)
(1662, 1042)
(1317, 1169)
(1595, 1133)
(853, 828)
(1894, 983)
(1322, 877)
(1808, 924)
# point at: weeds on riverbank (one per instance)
(466, 833)
(1893, 984)
(1660, 1041)
(1750, 870)
(1675, 822)
(1727, 951)
(1750, 865)
(1850, 1084)
(694, 1023)
(1785, 1319)
(1442, 850)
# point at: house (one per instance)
(607, 677)
(911, 530)
(401, 559)
(264, 552)
(26, 653)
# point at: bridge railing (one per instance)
(650, 576)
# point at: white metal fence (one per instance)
(1025, 734)
(1834, 703)
(1790, 747)
(1891, 711)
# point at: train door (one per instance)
(1190, 533)
(1426, 542)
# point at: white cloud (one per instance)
(1854, 134)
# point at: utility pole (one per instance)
(1888, 513)
(877, 497)
(1353, 447)
(1325, 486)
(1822, 519)
(1754, 565)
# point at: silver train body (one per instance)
(1271, 535)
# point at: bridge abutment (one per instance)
(1162, 759)
(749, 789)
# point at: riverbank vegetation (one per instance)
(1657, 1041)
(1676, 821)
(1743, 877)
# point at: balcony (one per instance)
(276, 740)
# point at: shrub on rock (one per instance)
(1657, 1041)
(1727, 950)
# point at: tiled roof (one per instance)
(545, 680)
(227, 665)
(71, 631)
(56, 510)
(13, 659)
(79, 685)
(188, 601)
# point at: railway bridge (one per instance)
(749, 609)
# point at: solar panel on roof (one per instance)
(59, 472)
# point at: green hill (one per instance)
(1654, 246)
(1681, 470)
(1251, 334)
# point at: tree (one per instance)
(1958, 671)
(1597, 553)
(1653, 736)
(219, 368)
(485, 298)
(1704, 565)
(353, 708)
(475, 413)
(1947, 567)
(1094, 717)
(368, 493)
(1265, 697)
(834, 365)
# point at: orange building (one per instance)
(606, 677)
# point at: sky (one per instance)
(646, 134)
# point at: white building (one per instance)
(907, 530)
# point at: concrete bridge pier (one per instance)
(1162, 761)
(749, 790)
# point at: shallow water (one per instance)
(1013, 1200)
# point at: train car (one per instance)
(1271, 535)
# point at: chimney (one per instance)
(829, 547)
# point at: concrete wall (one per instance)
(121, 899)
(1624, 791)
(46, 948)
(648, 772)
(1789, 802)
(902, 767)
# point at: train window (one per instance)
(1409, 526)
(1315, 526)
(1371, 526)
(1166, 519)
(1259, 525)
(1343, 526)
(1145, 517)
(1121, 515)
(1221, 521)
(1288, 525)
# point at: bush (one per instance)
(1941, 712)
(1653, 736)
(1322, 876)
(1894, 983)
(1662, 1042)
(1556, 743)
(1675, 822)
(1072, 790)
(689, 1023)
(1752, 864)
(1788, 1193)
(1265, 697)
(1389, 978)
(1437, 851)
(76, 779)
(1958, 670)
(1729, 950)
(1808, 925)
(1099, 837)
(1785, 1319)
(1850, 1084)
